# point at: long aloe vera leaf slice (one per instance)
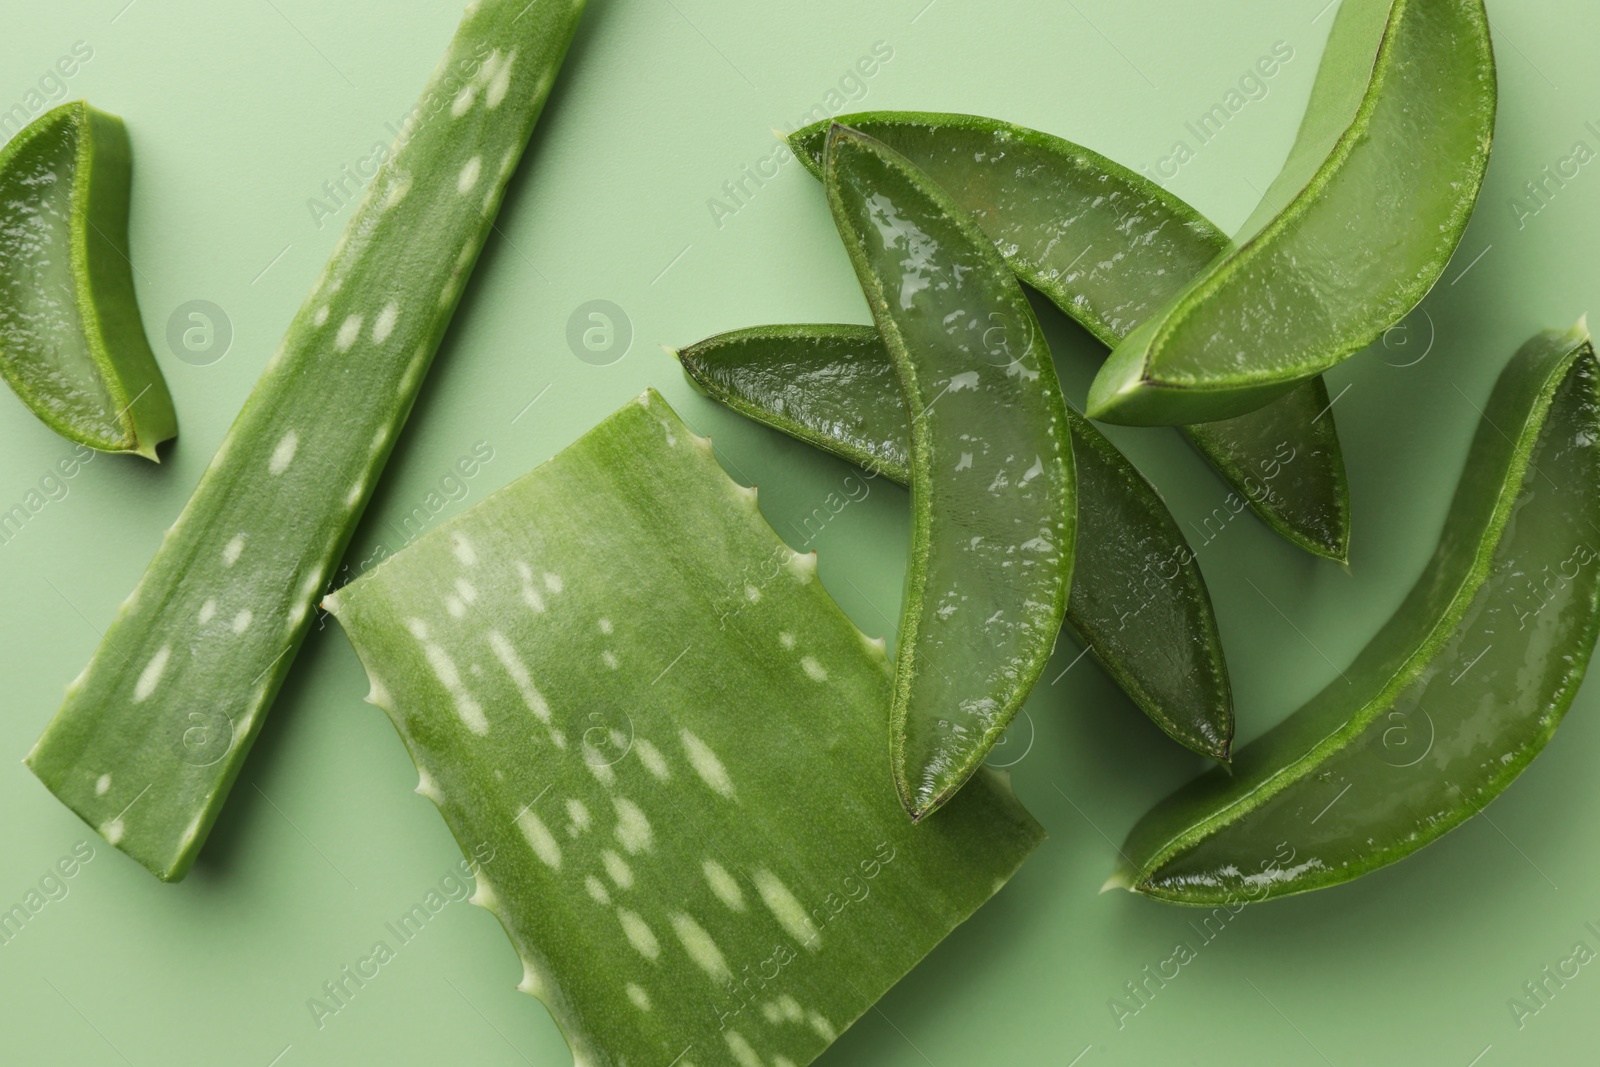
(706, 861)
(72, 343)
(152, 734)
(1109, 248)
(1355, 231)
(1454, 696)
(993, 495)
(1138, 600)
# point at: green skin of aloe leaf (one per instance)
(1109, 248)
(1452, 698)
(72, 342)
(615, 675)
(153, 733)
(1358, 226)
(993, 492)
(1138, 600)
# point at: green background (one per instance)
(240, 112)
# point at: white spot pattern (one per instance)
(283, 455)
(706, 764)
(150, 677)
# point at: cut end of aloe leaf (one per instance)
(72, 342)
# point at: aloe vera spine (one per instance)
(153, 733)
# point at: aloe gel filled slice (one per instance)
(1138, 600)
(1109, 248)
(1358, 226)
(993, 499)
(616, 677)
(1454, 696)
(154, 731)
(72, 342)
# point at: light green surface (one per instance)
(236, 121)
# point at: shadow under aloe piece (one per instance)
(699, 857)
(1110, 248)
(154, 731)
(1138, 600)
(1451, 700)
(72, 342)
(993, 490)
(1355, 230)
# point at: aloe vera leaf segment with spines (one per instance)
(153, 733)
(614, 675)
(1138, 600)
(1110, 248)
(993, 489)
(1452, 698)
(1358, 226)
(72, 341)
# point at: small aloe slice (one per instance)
(993, 498)
(152, 734)
(1138, 600)
(1452, 698)
(1358, 226)
(702, 860)
(1109, 248)
(72, 343)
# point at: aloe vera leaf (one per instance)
(614, 673)
(152, 734)
(72, 343)
(1138, 601)
(1452, 698)
(1355, 231)
(993, 496)
(1109, 248)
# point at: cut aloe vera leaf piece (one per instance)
(614, 675)
(152, 734)
(1356, 229)
(993, 497)
(1110, 248)
(1452, 698)
(1138, 601)
(72, 343)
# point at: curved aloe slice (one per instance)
(1109, 248)
(72, 343)
(701, 859)
(153, 732)
(993, 500)
(1138, 600)
(1353, 233)
(1453, 697)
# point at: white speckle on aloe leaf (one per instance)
(633, 829)
(814, 670)
(232, 550)
(208, 610)
(464, 551)
(610, 659)
(540, 839)
(397, 193)
(782, 1061)
(558, 739)
(321, 317)
(500, 84)
(507, 655)
(640, 936)
(102, 785)
(283, 455)
(601, 770)
(554, 583)
(822, 1026)
(597, 889)
(454, 606)
(444, 669)
(791, 1008)
(640, 998)
(578, 814)
(803, 567)
(468, 591)
(348, 332)
(112, 831)
(605, 626)
(469, 175)
(150, 677)
(706, 764)
(653, 760)
(752, 594)
(772, 1013)
(701, 948)
(387, 318)
(241, 621)
(789, 912)
(531, 597)
(464, 101)
(617, 869)
(786, 640)
(723, 885)
(743, 1054)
